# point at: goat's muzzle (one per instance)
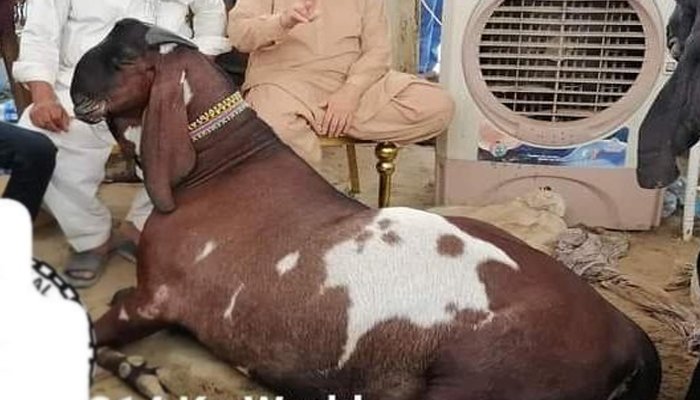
(89, 110)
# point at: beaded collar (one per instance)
(217, 116)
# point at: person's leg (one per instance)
(421, 111)
(141, 207)
(31, 157)
(285, 114)
(72, 196)
(130, 230)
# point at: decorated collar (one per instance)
(217, 116)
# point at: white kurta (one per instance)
(57, 33)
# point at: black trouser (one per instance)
(31, 158)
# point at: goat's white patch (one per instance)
(186, 88)
(209, 247)
(288, 263)
(167, 48)
(393, 270)
(133, 135)
(154, 308)
(123, 316)
(229, 311)
(244, 371)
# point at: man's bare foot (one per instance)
(128, 240)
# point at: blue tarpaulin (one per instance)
(8, 112)
(430, 33)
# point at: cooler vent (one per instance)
(561, 60)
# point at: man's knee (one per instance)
(438, 106)
(272, 104)
(35, 150)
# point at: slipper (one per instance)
(87, 262)
(127, 250)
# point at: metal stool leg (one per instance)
(352, 169)
(691, 192)
(386, 154)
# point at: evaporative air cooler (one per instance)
(551, 93)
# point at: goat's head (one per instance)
(671, 125)
(135, 72)
(116, 76)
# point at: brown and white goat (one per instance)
(315, 294)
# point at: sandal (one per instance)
(82, 264)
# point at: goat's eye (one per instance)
(119, 62)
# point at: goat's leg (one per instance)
(120, 325)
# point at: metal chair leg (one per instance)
(386, 154)
(352, 169)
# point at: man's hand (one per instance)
(340, 109)
(47, 112)
(302, 12)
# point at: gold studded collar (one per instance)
(217, 116)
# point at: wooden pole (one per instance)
(403, 19)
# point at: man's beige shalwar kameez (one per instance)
(292, 73)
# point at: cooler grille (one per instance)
(561, 60)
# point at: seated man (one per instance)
(30, 157)
(55, 36)
(324, 69)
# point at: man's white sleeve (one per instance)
(209, 26)
(40, 42)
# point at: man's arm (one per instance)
(41, 41)
(253, 25)
(209, 26)
(38, 62)
(372, 65)
(375, 60)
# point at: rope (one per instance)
(595, 257)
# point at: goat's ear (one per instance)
(669, 127)
(167, 152)
(156, 36)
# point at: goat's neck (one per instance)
(262, 171)
(247, 143)
(243, 140)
